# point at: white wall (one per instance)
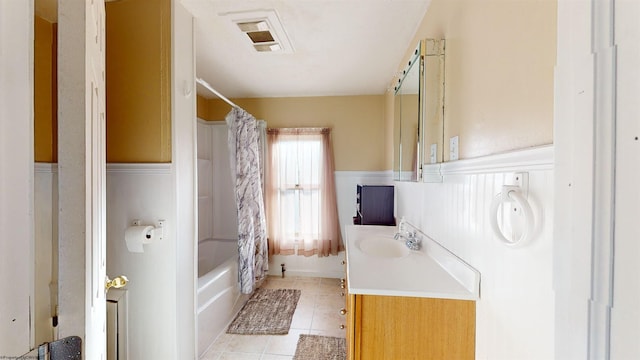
(515, 313)
(625, 317)
(595, 132)
(217, 215)
(595, 146)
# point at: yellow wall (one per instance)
(45, 91)
(390, 140)
(203, 108)
(357, 122)
(500, 58)
(138, 64)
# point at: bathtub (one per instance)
(218, 290)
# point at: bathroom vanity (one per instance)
(407, 304)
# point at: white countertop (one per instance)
(391, 270)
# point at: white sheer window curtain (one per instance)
(300, 199)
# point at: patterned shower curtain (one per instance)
(245, 168)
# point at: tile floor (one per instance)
(318, 313)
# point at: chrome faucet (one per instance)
(412, 239)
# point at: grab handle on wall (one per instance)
(508, 195)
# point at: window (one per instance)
(300, 196)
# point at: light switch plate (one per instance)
(433, 154)
(453, 148)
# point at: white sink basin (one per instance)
(383, 247)
(379, 265)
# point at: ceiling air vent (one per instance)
(262, 29)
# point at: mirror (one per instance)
(419, 114)
(406, 161)
(433, 89)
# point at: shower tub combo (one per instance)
(219, 296)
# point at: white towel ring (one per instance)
(508, 194)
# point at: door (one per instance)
(81, 174)
(96, 204)
(16, 177)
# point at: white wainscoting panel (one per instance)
(515, 315)
(144, 192)
(134, 191)
(46, 229)
(312, 266)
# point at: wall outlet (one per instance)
(433, 153)
(453, 148)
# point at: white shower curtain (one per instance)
(245, 157)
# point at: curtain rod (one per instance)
(210, 88)
(300, 130)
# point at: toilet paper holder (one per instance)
(138, 234)
(157, 232)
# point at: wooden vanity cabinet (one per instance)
(396, 327)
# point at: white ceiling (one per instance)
(341, 47)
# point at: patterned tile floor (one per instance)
(318, 313)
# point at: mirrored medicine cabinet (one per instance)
(419, 114)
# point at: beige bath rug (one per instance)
(267, 312)
(316, 347)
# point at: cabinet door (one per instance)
(393, 327)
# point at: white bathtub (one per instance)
(218, 289)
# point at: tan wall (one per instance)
(138, 64)
(389, 138)
(357, 122)
(202, 110)
(500, 58)
(45, 91)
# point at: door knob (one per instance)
(117, 282)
